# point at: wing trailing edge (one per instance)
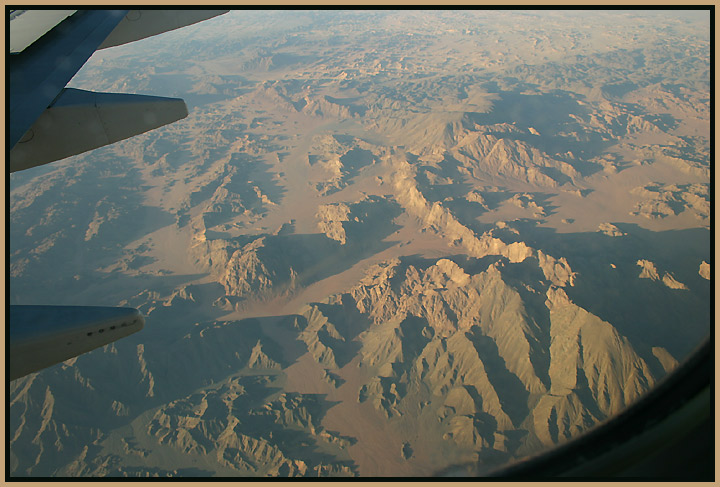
(48, 47)
(140, 24)
(27, 26)
(40, 72)
(79, 121)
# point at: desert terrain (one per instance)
(381, 244)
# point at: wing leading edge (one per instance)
(41, 336)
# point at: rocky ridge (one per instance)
(470, 341)
(650, 271)
(660, 201)
(439, 219)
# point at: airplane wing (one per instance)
(48, 122)
(41, 336)
(47, 48)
